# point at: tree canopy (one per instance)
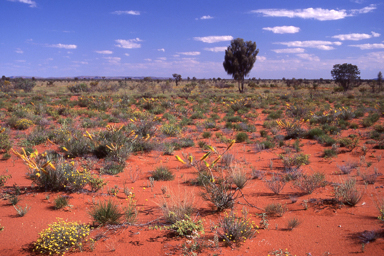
(177, 78)
(346, 75)
(239, 59)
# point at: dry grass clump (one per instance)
(177, 205)
(275, 184)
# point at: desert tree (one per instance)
(379, 81)
(239, 59)
(346, 75)
(177, 78)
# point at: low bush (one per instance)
(347, 192)
(162, 173)
(61, 237)
(61, 202)
(241, 137)
(274, 209)
(308, 183)
(236, 229)
(107, 212)
(275, 184)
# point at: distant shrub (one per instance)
(241, 137)
(347, 192)
(162, 173)
(78, 88)
(308, 183)
(371, 119)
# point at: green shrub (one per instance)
(371, 119)
(315, 133)
(206, 135)
(5, 143)
(22, 124)
(170, 129)
(112, 168)
(330, 152)
(241, 137)
(106, 212)
(61, 202)
(187, 227)
(162, 173)
(77, 88)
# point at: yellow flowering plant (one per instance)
(61, 237)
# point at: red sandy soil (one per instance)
(324, 229)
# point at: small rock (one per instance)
(339, 226)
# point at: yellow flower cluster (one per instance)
(23, 124)
(61, 236)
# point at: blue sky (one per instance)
(296, 38)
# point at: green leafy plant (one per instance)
(106, 212)
(162, 173)
(187, 227)
(61, 202)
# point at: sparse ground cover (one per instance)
(151, 168)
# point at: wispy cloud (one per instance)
(314, 13)
(63, 46)
(128, 44)
(216, 49)
(213, 39)
(113, 60)
(30, 2)
(206, 17)
(283, 29)
(104, 52)
(161, 50)
(321, 45)
(126, 54)
(310, 57)
(368, 46)
(289, 50)
(18, 50)
(189, 53)
(126, 12)
(356, 36)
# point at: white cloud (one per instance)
(162, 58)
(30, 2)
(161, 50)
(368, 46)
(363, 10)
(206, 17)
(216, 49)
(104, 52)
(126, 54)
(213, 39)
(313, 13)
(18, 50)
(113, 60)
(189, 53)
(283, 29)
(310, 57)
(374, 34)
(289, 50)
(148, 59)
(321, 45)
(355, 36)
(261, 58)
(127, 12)
(128, 44)
(64, 46)
(80, 62)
